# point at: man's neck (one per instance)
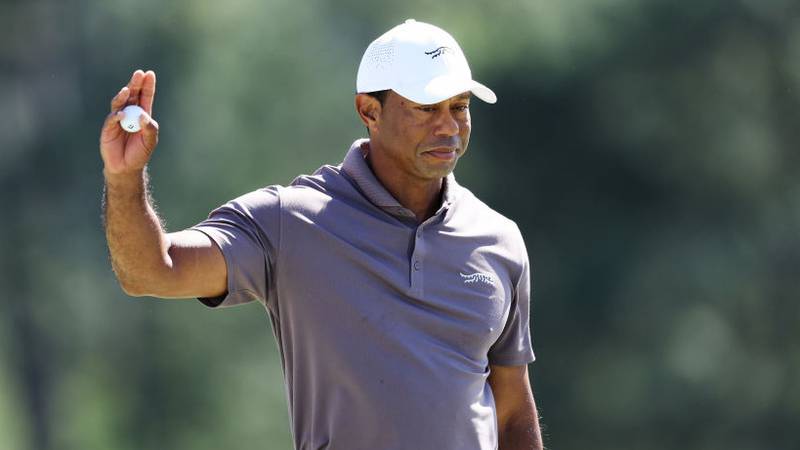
(422, 197)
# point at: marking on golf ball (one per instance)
(130, 122)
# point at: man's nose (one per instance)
(446, 124)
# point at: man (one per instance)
(399, 301)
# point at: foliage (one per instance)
(647, 149)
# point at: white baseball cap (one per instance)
(419, 61)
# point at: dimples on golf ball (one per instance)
(130, 122)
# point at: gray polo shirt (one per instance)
(386, 327)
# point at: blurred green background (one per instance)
(647, 149)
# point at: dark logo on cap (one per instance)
(438, 52)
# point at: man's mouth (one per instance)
(443, 153)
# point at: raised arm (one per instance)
(146, 259)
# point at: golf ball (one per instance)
(130, 122)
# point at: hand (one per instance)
(123, 152)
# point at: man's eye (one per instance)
(427, 108)
(462, 107)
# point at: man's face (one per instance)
(424, 141)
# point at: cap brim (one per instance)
(441, 88)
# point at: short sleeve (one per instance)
(247, 231)
(513, 347)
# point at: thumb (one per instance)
(149, 132)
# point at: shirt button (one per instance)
(416, 265)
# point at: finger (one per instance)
(119, 100)
(111, 128)
(148, 91)
(113, 118)
(148, 124)
(149, 131)
(135, 86)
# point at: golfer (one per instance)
(399, 301)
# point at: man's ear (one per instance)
(369, 110)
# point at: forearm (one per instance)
(136, 239)
(522, 432)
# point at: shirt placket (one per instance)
(417, 261)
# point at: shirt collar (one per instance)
(356, 167)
